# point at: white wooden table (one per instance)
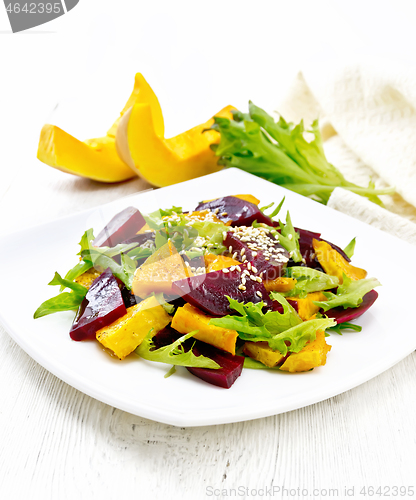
(57, 443)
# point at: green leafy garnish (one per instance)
(174, 354)
(309, 280)
(66, 301)
(89, 255)
(349, 249)
(253, 323)
(344, 326)
(272, 327)
(275, 210)
(349, 294)
(289, 239)
(279, 152)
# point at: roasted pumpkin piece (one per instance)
(261, 351)
(334, 263)
(86, 279)
(311, 356)
(306, 307)
(145, 229)
(280, 285)
(124, 335)
(159, 271)
(248, 197)
(188, 318)
(217, 262)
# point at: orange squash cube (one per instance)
(188, 318)
(334, 263)
(311, 356)
(159, 271)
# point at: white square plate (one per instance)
(30, 258)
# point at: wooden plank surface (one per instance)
(58, 443)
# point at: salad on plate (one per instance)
(215, 290)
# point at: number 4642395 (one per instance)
(34, 8)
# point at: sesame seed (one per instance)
(243, 251)
(230, 249)
(232, 268)
(224, 235)
(249, 266)
(254, 254)
(224, 214)
(243, 280)
(216, 211)
(267, 258)
(234, 255)
(244, 258)
(242, 287)
(253, 278)
(225, 270)
(259, 294)
(238, 268)
(259, 279)
(254, 269)
(290, 236)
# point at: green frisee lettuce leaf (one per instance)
(309, 280)
(349, 294)
(279, 152)
(174, 354)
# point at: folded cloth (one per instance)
(367, 113)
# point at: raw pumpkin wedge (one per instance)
(189, 318)
(159, 271)
(334, 263)
(96, 159)
(124, 335)
(161, 161)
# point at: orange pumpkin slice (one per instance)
(334, 263)
(159, 271)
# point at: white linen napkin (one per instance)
(367, 114)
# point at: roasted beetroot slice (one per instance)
(239, 212)
(271, 268)
(231, 366)
(343, 315)
(122, 226)
(102, 305)
(208, 291)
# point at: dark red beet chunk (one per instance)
(122, 226)
(208, 291)
(271, 268)
(239, 212)
(342, 315)
(102, 305)
(231, 366)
